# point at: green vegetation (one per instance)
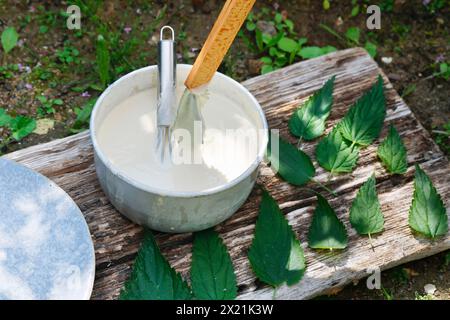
(19, 127)
(47, 105)
(275, 41)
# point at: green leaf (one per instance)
(326, 4)
(83, 116)
(152, 277)
(392, 152)
(266, 38)
(336, 154)
(313, 52)
(266, 60)
(355, 10)
(58, 102)
(273, 41)
(266, 69)
(103, 61)
(273, 51)
(371, 48)
(308, 121)
(292, 164)
(328, 49)
(302, 41)
(289, 24)
(427, 214)
(326, 230)
(278, 17)
(212, 273)
(5, 119)
(363, 122)
(42, 99)
(280, 61)
(353, 34)
(259, 39)
(21, 127)
(43, 29)
(9, 39)
(310, 52)
(288, 45)
(250, 25)
(365, 213)
(275, 254)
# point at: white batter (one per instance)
(127, 138)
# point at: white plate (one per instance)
(46, 251)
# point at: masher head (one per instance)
(189, 123)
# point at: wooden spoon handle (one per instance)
(219, 40)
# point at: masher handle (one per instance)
(219, 40)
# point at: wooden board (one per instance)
(69, 162)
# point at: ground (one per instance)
(63, 65)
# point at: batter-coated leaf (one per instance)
(326, 230)
(308, 121)
(292, 164)
(212, 273)
(427, 214)
(392, 152)
(365, 213)
(363, 122)
(152, 277)
(275, 254)
(336, 154)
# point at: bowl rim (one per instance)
(167, 192)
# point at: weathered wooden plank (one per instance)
(69, 163)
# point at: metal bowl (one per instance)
(169, 210)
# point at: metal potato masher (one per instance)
(167, 101)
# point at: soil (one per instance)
(414, 38)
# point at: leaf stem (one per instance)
(324, 187)
(299, 143)
(274, 293)
(371, 243)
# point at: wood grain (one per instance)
(69, 162)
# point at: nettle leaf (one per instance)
(326, 230)
(308, 121)
(292, 164)
(392, 152)
(5, 119)
(152, 277)
(336, 154)
(427, 214)
(212, 273)
(363, 122)
(365, 213)
(22, 126)
(275, 254)
(9, 39)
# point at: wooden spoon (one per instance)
(219, 40)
